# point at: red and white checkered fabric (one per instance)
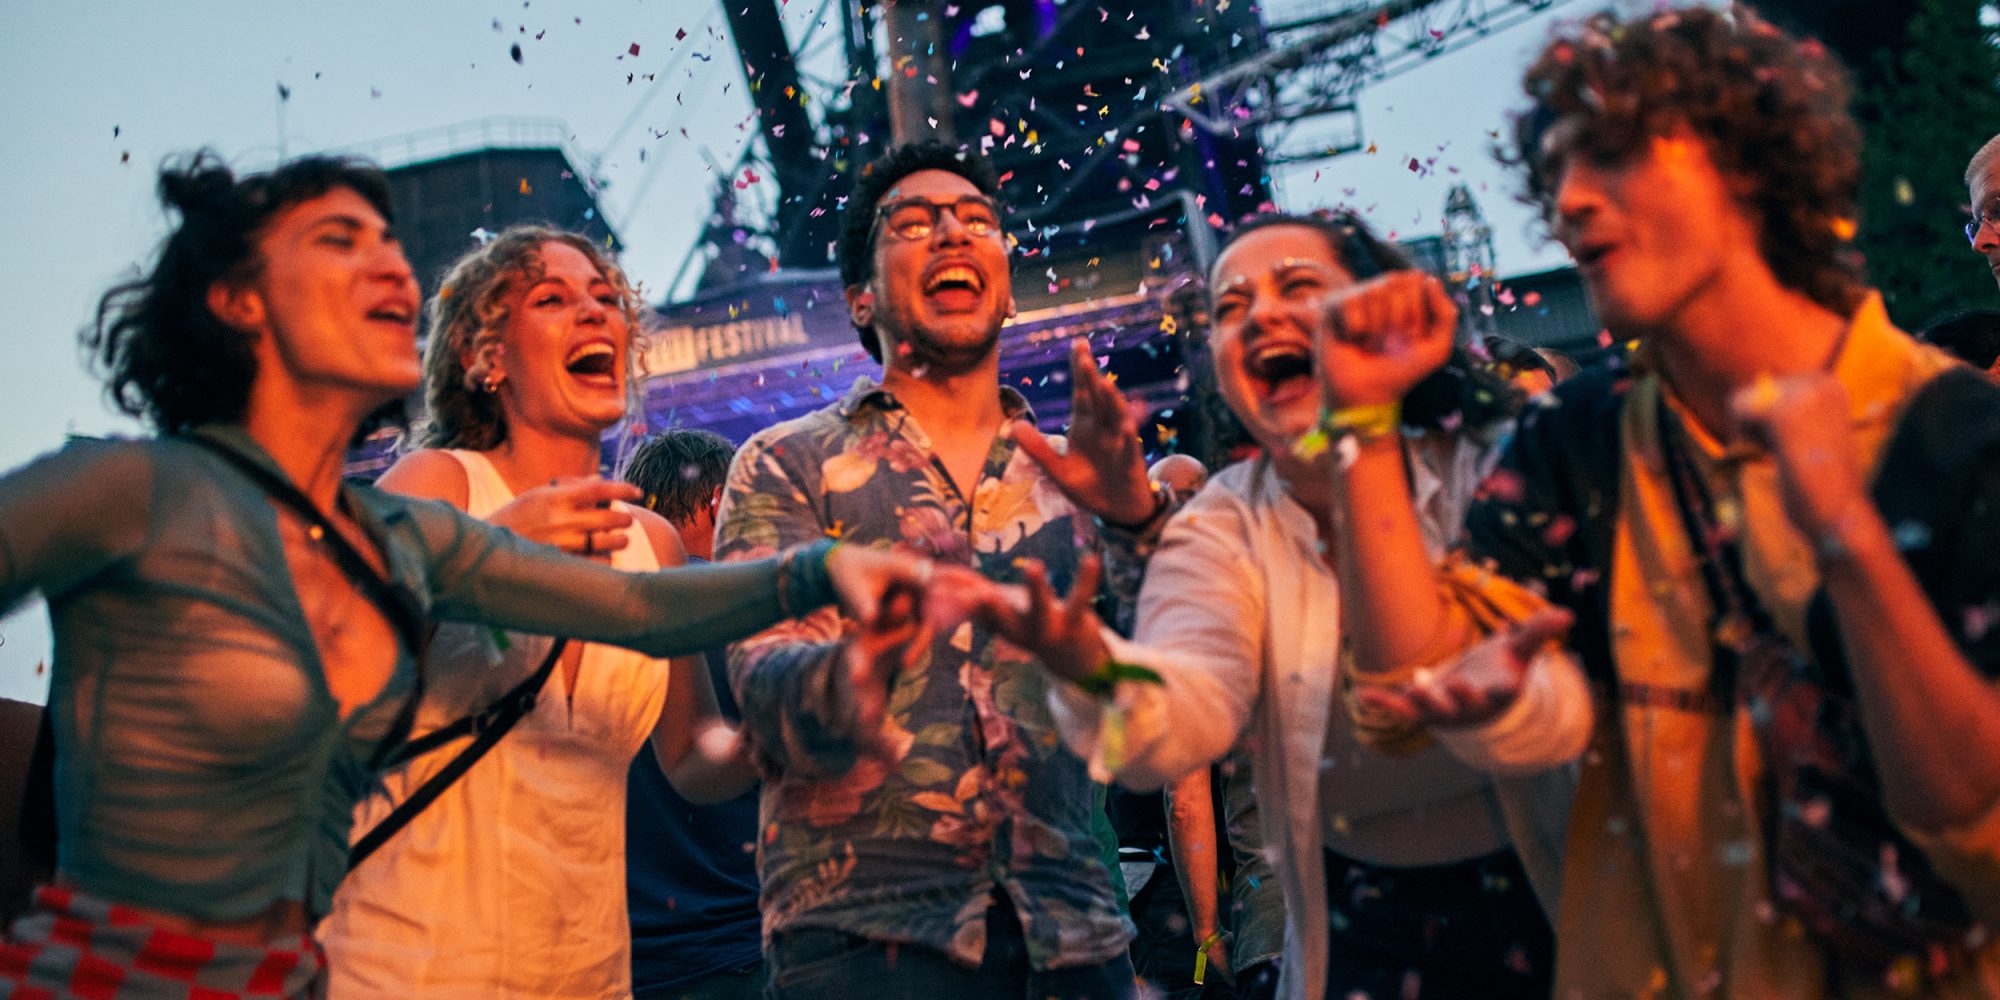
(73, 947)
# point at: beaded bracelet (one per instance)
(814, 576)
(785, 582)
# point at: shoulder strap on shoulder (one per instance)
(486, 729)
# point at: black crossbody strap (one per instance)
(486, 729)
(1721, 558)
(396, 603)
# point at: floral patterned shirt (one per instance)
(978, 792)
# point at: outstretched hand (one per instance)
(1063, 633)
(574, 515)
(1382, 337)
(1103, 470)
(1475, 689)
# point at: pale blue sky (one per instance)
(169, 77)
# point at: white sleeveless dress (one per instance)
(511, 884)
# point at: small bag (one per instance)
(1838, 862)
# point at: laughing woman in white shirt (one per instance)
(1406, 873)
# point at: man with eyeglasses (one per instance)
(924, 833)
(1982, 182)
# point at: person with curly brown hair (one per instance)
(1773, 543)
(511, 881)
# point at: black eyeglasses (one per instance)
(916, 218)
(1979, 221)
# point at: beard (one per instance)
(959, 345)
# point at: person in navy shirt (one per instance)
(690, 870)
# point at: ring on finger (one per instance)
(590, 543)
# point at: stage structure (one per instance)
(1126, 132)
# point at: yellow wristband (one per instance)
(1371, 421)
(1367, 423)
(1201, 956)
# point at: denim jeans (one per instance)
(817, 964)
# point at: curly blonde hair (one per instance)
(465, 319)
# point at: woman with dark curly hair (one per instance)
(1774, 543)
(512, 883)
(237, 632)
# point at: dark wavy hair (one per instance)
(1462, 393)
(166, 358)
(1771, 109)
(679, 468)
(878, 178)
(465, 318)
(1354, 245)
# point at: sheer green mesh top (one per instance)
(202, 767)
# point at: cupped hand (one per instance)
(1063, 633)
(1477, 687)
(1103, 470)
(574, 515)
(1382, 337)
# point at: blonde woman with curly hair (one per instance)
(512, 883)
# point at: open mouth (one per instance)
(399, 314)
(955, 287)
(1281, 369)
(1590, 256)
(592, 362)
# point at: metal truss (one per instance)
(1317, 62)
